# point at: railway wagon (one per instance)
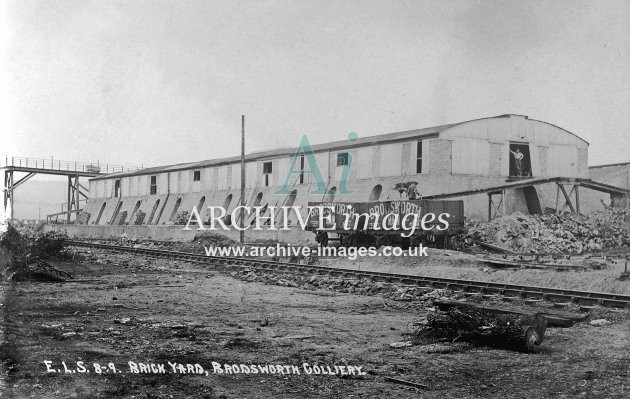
(400, 222)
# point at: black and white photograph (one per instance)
(314, 199)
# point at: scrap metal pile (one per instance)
(568, 233)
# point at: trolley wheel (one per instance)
(532, 339)
(322, 239)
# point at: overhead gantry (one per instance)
(77, 192)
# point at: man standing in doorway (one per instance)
(518, 158)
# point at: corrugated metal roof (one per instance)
(287, 151)
(334, 145)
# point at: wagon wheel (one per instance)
(532, 339)
(322, 238)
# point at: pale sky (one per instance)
(162, 82)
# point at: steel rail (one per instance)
(586, 298)
(616, 253)
(610, 254)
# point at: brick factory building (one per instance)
(443, 159)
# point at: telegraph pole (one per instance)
(242, 210)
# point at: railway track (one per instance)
(532, 293)
(620, 254)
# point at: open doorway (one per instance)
(520, 161)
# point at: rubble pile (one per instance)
(209, 238)
(36, 270)
(568, 233)
(360, 286)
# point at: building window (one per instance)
(343, 158)
(419, 158)
(153, 186)
(117, 188)
(302, 169)
(197, 175)
(267, 170)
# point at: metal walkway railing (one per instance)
(56, 164)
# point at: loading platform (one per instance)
(570, 199)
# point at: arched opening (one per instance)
(376, 193)
(263, 217)
(226, 203)
(258, 199)
(122, 218)
(291, 198)
(100, 213)
(175, 208)
(202, 201)
(200, 204)
(155, 207)
(257, 202)
(115, 215)
(134, 214)
(330, 195)
(289, 203)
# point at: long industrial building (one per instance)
(474, 160)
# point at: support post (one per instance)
(489, 206)
(242, 210)
(8, 193)
(69, 198)
(557, 197)
(5, 191)
(11, 198)
(567, 199)
(577, 199)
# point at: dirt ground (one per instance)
(454, 264)
(124, 309)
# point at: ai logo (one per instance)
(305, 150)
